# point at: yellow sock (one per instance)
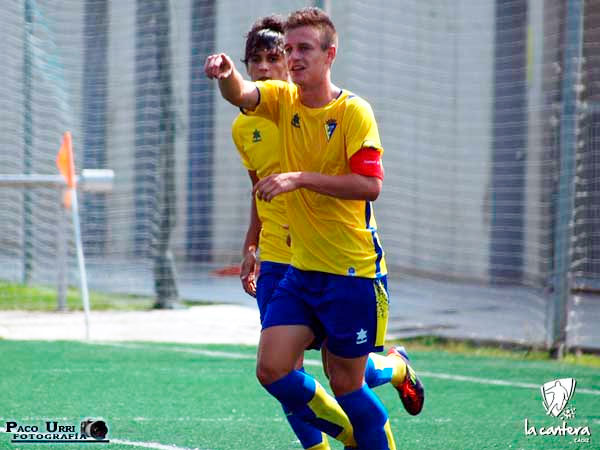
(326, 408)
(399, 369)
(389, 435)
(324, 445)
(384, 369)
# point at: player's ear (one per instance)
(331, 53)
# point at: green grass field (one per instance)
(172, 397)
(15, 296)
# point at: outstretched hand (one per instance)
(219, 66)
(269, 187)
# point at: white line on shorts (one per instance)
(315, 362)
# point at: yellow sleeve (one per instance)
(360, 127)
(239, 143)
(269, 93)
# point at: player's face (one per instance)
(307, 62)
(267, 65)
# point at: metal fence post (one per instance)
(27, 141)
(557, 308)
(165, 279)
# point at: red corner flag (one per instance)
(65, 161)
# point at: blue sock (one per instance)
(306, 399)
(379, 370)
(293, 390)
(369, 419)
(307, 434)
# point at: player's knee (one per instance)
(268, 373)
(339, 386)
(342, 384)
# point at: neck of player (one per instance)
(319, 95)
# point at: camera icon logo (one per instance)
(94, 428)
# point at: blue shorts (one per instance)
(271, 273)
(351, 313)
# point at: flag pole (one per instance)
(81, 262)
(66, 165)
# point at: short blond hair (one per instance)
(317, 18)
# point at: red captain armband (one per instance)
(367, 161)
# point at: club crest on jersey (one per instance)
(296, 120)
(256, 136)
(330, 126)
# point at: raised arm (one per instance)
(234, 88)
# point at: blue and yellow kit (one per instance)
(259, 146)
(329, 234)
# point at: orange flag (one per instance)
(65, 161)
(66, 165)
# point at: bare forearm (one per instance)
(248, 264)
(238, 91)
(253, 232)
(233, 87)
(350, 186)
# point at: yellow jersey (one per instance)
(328, 234)
(259, 146)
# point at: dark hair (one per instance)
(314, 17)
(265, 34)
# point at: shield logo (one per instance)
(556, 394)
(330, 128)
